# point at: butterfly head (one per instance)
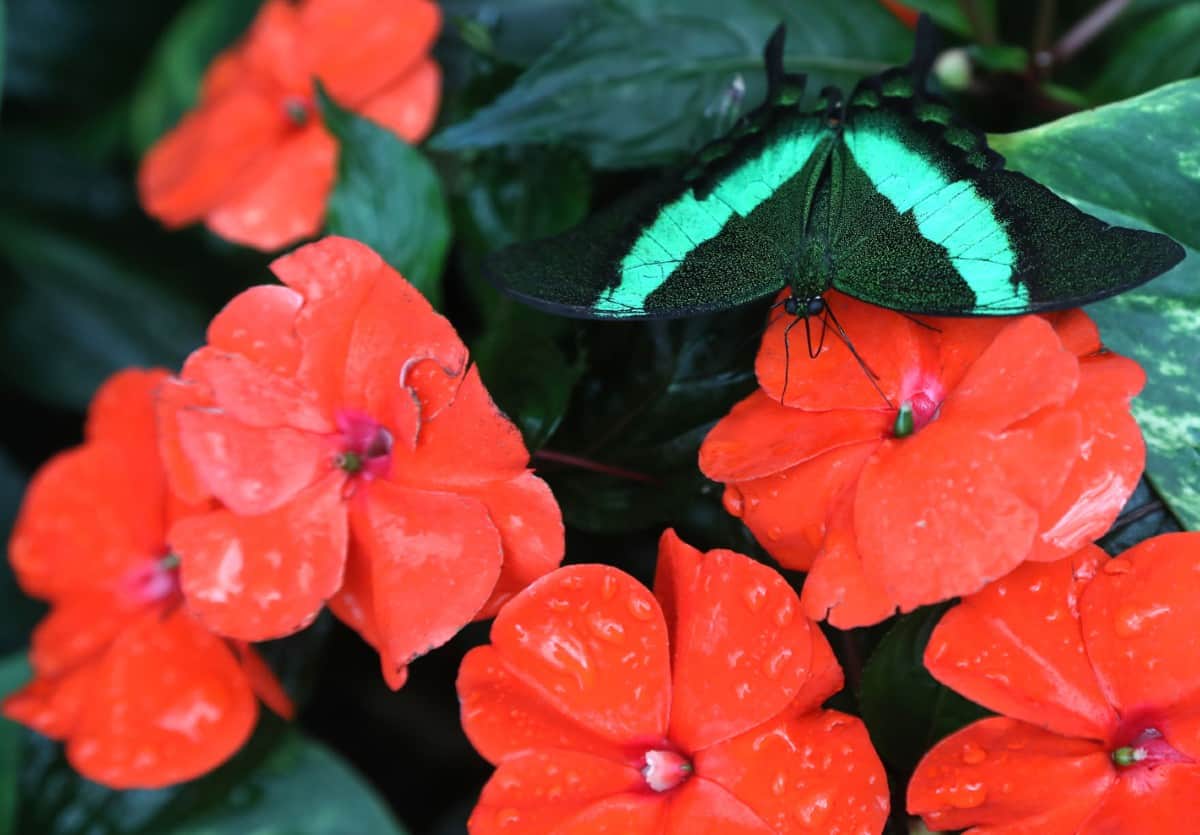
(795, 305)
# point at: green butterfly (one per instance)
(886, 196)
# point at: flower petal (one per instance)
(265, 576)
(191, 169)
(788, 512)
(534, 794)
(945, 512)
(52, 705)
(263, 680)
(1016, 647)
(740, 646)
(526, 514)
(78, 629)
(838, 587)
(280, 197)
(1169, 802)
(702, 807)
(1110, 464)
(592, 643)
(467, 443)
(814, 773)
(1024, 369)
(892, 345)
(170, 703)
(258, 324)
(122, 412)
(759, 437)
(251, 469)
(1141, 624)
(409, 106)
(174, 397)
(434, 559)
(503, 716)
(388, 41)
(1010, 778)
(85, 521)
(255, 395)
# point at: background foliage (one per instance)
(552, 107)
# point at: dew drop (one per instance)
(607, 629)
(608, 588)
(734, 501)
(968, 796)
(755, 596)
(1118, 566)
(973, 754)
(785, 614)
(773, 666)
(506, 818)
(775, 533)
(641, 608)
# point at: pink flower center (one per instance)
(152, 581)
(365, 446)
(1146, 751)
(921, 399)
(665, 769)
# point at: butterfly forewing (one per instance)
(925, 219)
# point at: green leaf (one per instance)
(637, 82)
(20, 612)
(1137, 163)
(905, 708)
(389, 197)
(14, 672)
(171, 81)
(281, 784)
(517, 31)
(78, 310)
(1139, 157)
(1157, 47)
(948, 13)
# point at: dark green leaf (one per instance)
(79, 311)
(1144, 515)
(20, 613)
(281, 784)
(1137, 163)
(78, 53)
(1139, 157)
(516, 31)
(171, 80)
(637, 82)
(947, 13)
(905, 709)
(14, 671)
(1155, 48)
(389, 197)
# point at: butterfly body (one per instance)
(884, 195)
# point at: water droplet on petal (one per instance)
(973, 754)
(755, 596)
(1118, 566)
(785, 614)
(775, 533)
(968, 796)
(1130, 619)
(608, 588)
(641, 608)
(607, 629)
(773, 666)
(507, 818)
(734, 502)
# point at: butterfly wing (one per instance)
(923, 218)
(719, 235)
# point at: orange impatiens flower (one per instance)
(694, 710)
(142, 693)
(1004, 441)
(1093, 664)
(253, 160)
(359, 459)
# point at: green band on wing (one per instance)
(684, 224)
(948, 212)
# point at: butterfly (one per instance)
(885, 195)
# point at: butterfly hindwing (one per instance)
(925, 219)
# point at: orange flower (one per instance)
(253, 160)
(359, 459)
(607, 710)
(1016, 443)
(143, 694)
(1092, 663)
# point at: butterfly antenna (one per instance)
(787, 358)
(782, 87)
(921, 324)
(925, 49)
(871, 375)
